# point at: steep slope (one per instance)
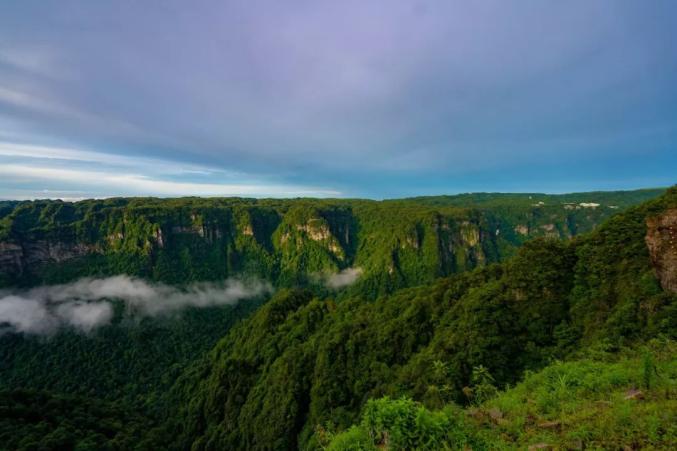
(302, 363)
(289, 242)
(297, 242)
(304, 360)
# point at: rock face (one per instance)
(316, 230)
(14, 258)
(11, 255)
(398, 243)
(522, 229)
(661, 239)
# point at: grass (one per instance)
(589, 403)
(606, 401)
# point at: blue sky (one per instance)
(341, 99)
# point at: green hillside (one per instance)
(453, 335)
(301, 365)
(607, 401)
(394, 244)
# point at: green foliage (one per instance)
(129, 360)
(32, 420)
(483, 386)
(402, 424)
(396, 243)
(426, 342)
(299, 372)
(648, 369)
(582, 404)
(593, 403)
(354, 439)
(492, 200)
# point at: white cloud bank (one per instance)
(86, 303)
(342, 279)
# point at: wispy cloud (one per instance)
(341, 279)
(100, 173)
(35, 59)
(135, 184)
(86, 303)
(11, 149)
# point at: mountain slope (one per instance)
(305, 363)
(288, 242)
(313, 363)
(31, 420)
(394, 243)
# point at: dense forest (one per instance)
(479, 321)
(394, 244)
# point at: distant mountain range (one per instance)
(393, 243)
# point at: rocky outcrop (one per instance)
(210, 232)
(11, 256)
(661, 239)
(470, 233)
(550, 231)
(522, 229)
(248, 230)
(316, 229)
(159, 238)
(15, 258)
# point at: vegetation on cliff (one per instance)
(396, 244)
(541, 348)
(302, 365)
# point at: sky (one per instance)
(365, 98)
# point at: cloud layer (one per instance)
(378, 98)
(87, 303)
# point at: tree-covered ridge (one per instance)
(302, 364)
(487, 200)
(289, 242)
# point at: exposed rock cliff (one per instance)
(15, 258)
(398, 243)
(661, 239)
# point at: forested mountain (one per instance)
(301, 365)
(301, 242)
(393, 244)
(458, 299)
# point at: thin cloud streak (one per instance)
(136, 183)
(9, 149)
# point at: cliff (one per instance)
(661, 239)
(394, 243)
